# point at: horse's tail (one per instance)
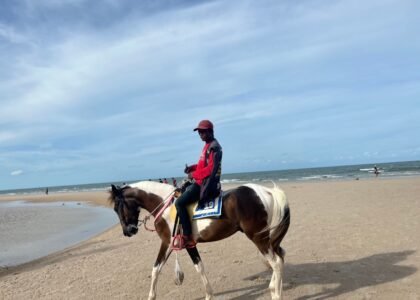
(280, 219)
(179, 274)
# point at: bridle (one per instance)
(121, 204)
(164, 204)
(168, 201)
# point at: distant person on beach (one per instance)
(46, 191)
(376, 170)
(206, 179)
(165, 181)
(160, 180)
(174, 182)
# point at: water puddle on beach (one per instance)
(32, 230)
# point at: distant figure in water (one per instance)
(174, 182)
(375, 170)
(160, 180)
(46, 191)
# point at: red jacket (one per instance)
(200, 171)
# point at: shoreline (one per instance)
(86, 195)
(32, 230)
(93, 197)
(349, 239)
(100, 198)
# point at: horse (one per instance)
(261, 213)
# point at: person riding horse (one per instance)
(206, 180)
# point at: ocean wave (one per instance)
(388, 170)
(310, 177)
(230, 180)
(318, 177)
(405, 173)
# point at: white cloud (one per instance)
(11, 35)
(6, 136)
(307, 74)
(16, 173)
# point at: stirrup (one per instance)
(180, 242)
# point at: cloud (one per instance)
(93, 86)
(16, 173)
(9, 34)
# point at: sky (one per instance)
(97, 91)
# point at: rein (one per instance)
(165, 204)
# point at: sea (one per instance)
(348, 172)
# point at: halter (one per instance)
(165, 204)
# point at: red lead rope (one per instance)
(159, 214)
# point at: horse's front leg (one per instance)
(157, 267)
(198, 264)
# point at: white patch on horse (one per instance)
(155, 275)
(276, 283)
(274, 201)
(200, 269)
(161, 189)
(167, 217)
(199, 225)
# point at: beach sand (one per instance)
(347, 240)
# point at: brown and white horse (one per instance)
(261, 213)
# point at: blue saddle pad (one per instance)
(213, 208)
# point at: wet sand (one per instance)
(31, 230)
(347, 240)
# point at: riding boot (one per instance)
(188, 241)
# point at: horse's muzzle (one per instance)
(131, 230)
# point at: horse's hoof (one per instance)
(179, 278)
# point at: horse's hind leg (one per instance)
(281, 254)
(157, 267)
(276, 260)
(198, 264)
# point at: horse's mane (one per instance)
(161, 189)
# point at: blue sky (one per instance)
(95, 91)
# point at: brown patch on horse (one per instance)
(242, 211)
(163, 230)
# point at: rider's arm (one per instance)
(205, 171)
(192, 168)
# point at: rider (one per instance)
(206, 179)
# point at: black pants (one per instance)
(192, 194)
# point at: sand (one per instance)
(347, 240)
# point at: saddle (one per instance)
(209, 209)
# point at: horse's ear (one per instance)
(114, 189)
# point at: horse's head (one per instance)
(127, 208)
